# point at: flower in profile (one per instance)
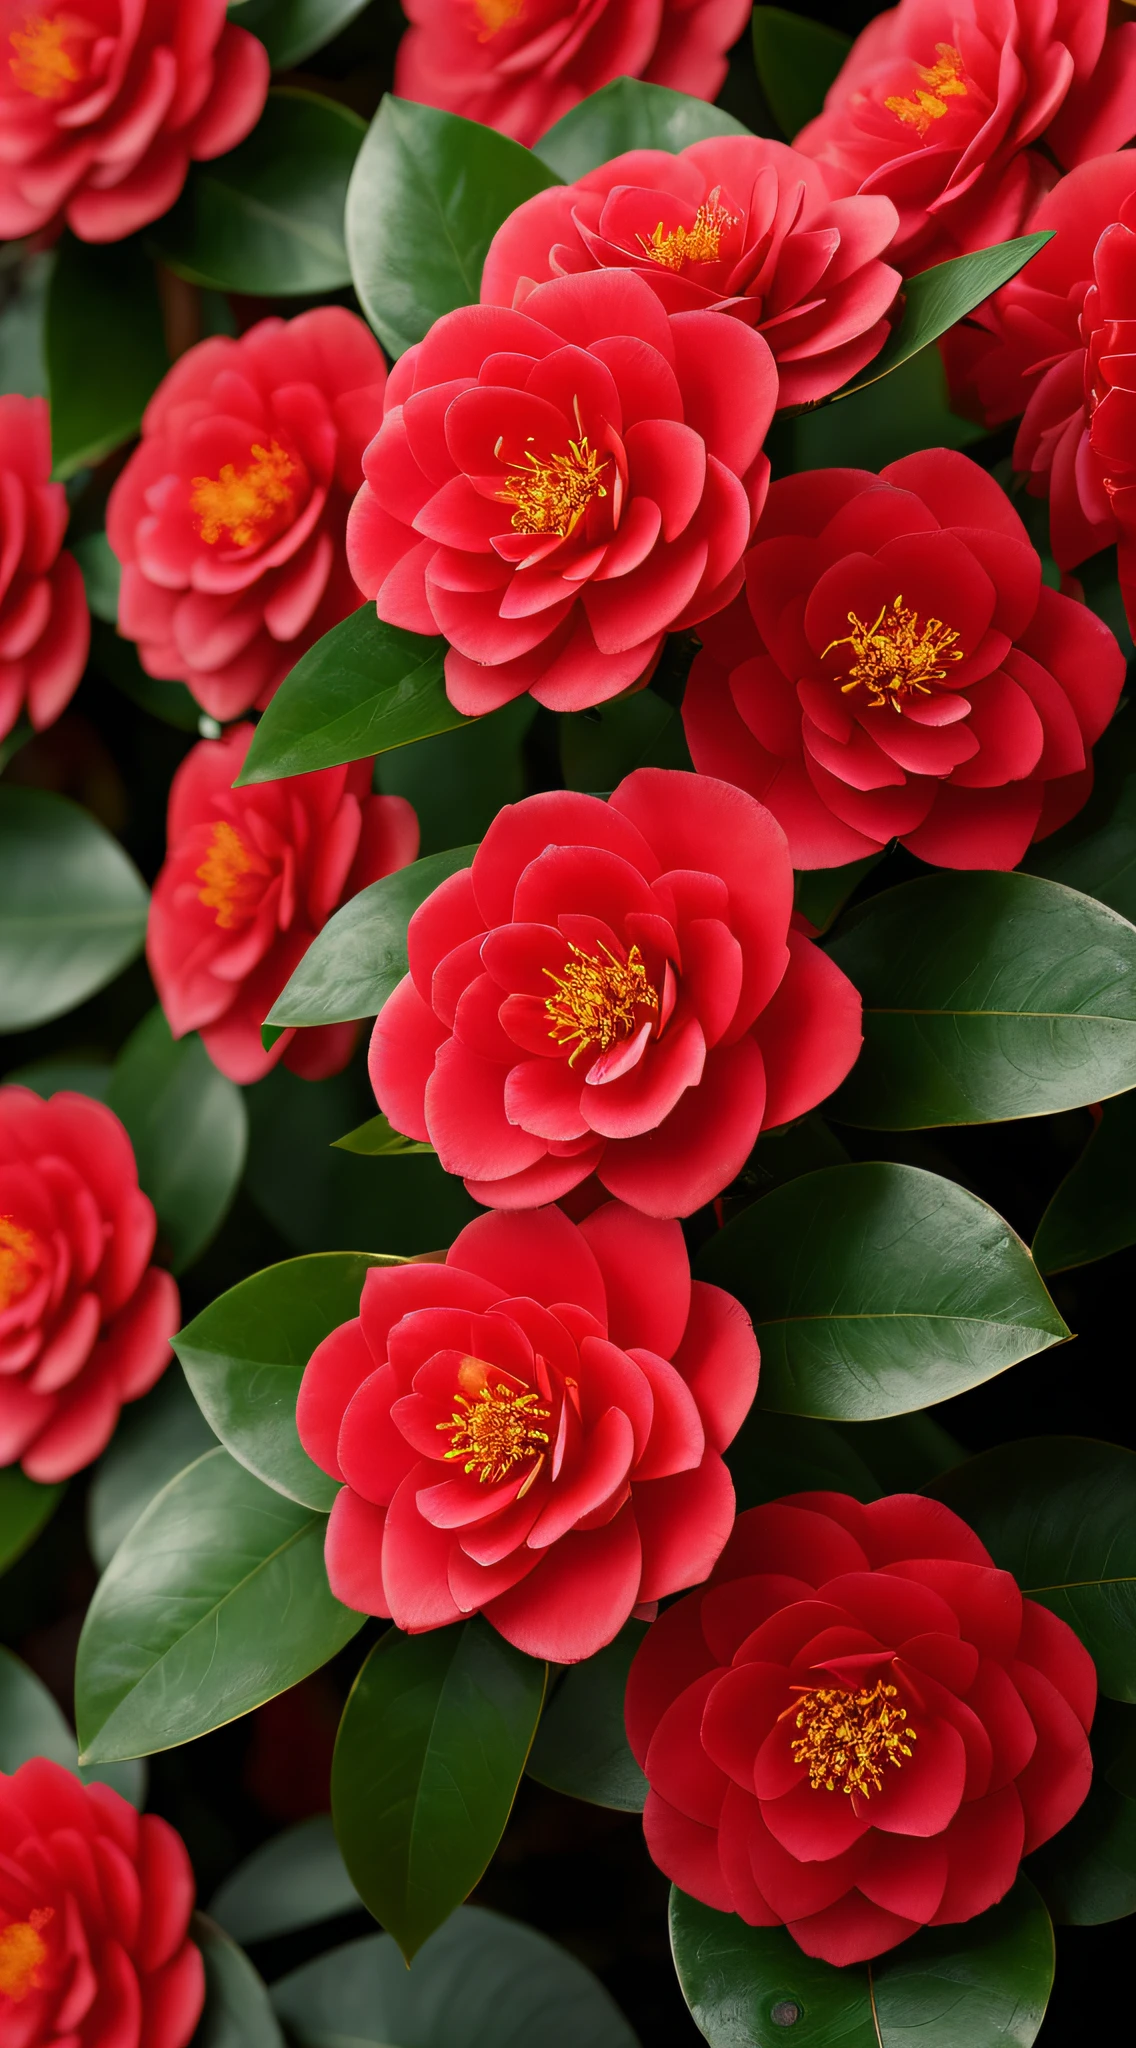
(45, 627)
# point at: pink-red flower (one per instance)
(858, 1727)
(95, 1902)
(229, 518)
(738, 223)
(554, 488)
(896, 669)
(942, 105)
(250, 876)
(613, 988)
(45, 629)
(85, 1319)
(105, 103)
(518, 65)
(532, 1430)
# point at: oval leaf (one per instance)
(106, 350)
(376, 1139)
(25, 1507)
(581, 1746)
(32, 1725)
(797, 60)
(238, 2012)
(154, 1439)
(359, 958)
(363, 688)
(72, 908)
(1093, 1211)
(629, 114)
(297, 1879)
(935, 299)
(189, 1131)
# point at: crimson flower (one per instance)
(45, 628)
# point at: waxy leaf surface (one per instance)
(363, 688)
(359, 958)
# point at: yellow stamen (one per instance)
(23, 1951)
(895, 654)
(699, 244)
(19, 1264)
(598, 1002)
(847, 1737)
(43, 64)
(551, 497)
(225, 872)
(239, 503)
(942, 81)
(494, 1423)
(495, 15)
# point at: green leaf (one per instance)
(25, 1509)
(297, 1879)
(155, 1439)
(599, 747)
(72, 908)
(1060, 1513)
(797, 60)
(292, 29)
(581, 1745)
(883, 421)
(106, 349)
(875, 1289)
(1087, 1873)
(986, 997)
(84, 1077)
(268, 217)
(376, 1139)
(359, 957)
(821, 893)
(982, 1985)
(629, 114)
(189, 1131)
(238, 2012)
(774, 1454)
(361, 689)
(244, 1358)
(938, 297)
(102, 574)
(480, 1982)
(23, 365)
(31, 1725)
(216, 1601)
(430, 1751)
(1096, 850)
(1093, 1211)
(903, 1451)
(426, 198)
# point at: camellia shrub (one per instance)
(567, 1023)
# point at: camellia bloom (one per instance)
(104, 104)
(230, 515)
(898, 670)
(858, 1727)
(95, 1902)
(738, 223)
(85, 1320)
(555, 489)
(533, 1429)
(45, 628)
(518, 65)
(940, 101)
(613, 988)
(251, 875)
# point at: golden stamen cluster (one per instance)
(847, 1737)
(942, 81)
(239, 503)
(697, 244)
(552, 497)
(598, 1001)
(496, 1426)
(896, 654)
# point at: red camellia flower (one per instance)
(95, 1902)
(738, 223)
(533, 1430)
(939, 102)
(251, 875)
(45, 629)
(85, 1320)
(898, 670)
(613, 988)
(229, 517)
(858, 1727)
(556, 488)
(518, 65)
(104, 103)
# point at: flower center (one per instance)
(20, 1262)
(847, 1737)
(23, 1951)
(942, 81)
(229, 873)
(895, 654)
(699, 244)
(598, 1001)
(239, 504)
(552, 497)
(495, 1424)
(495, 15)
(44, 64)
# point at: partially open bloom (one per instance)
(85, 1319)
(941, 102)
(556, 488)
(250, 876)
(897, 669)
(95, 1902)
(533, 1430)
(859, 1727)
(613, 988)
(45, 629)
(738, 223)
(518, 65)
(229, 517)
(104, 103)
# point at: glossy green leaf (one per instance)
(774, 1454)
(268, 217)
(431, 1748)
(106, 350)
(875, 1289)
(935, 299)
(426, 198)
(1096, 850)
(377, 1139)
(189, 1131)
(244, 1358)
(1060, 1513)
(984, 1984)
(102, 574)
(72, 908)
(155, 1439)
(292, 29)
(297, 1879)
(1087, 1873)
(359, 958)
(629, 114)
(361, 689)
(216, 1601)
(581, 1745)
(25, 1508)
(31, 1724)
(1093, 1211)
(238, 2012)
(986, 997)
(797, 60)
